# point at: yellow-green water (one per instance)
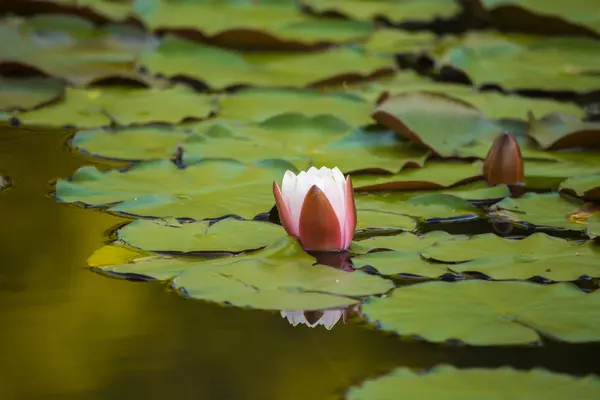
(68, 333)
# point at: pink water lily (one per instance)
(317, 207)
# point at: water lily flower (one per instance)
(317, 207)
(504, 162)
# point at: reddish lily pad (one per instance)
(586, 186)
(560, 131)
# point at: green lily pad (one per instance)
(430, 207)
(392, 11)
(28, 93)
(260, 104)
(228, 235)
(405, 259)
(116, 253)
(281, 276)
(593, 227)
(527, 62)
(393, 41)
(450, 383)
(549, 175)
(434, 175)
(209, 189)
(483, 313)
(240, 23)
(98, 107)
(72, 48)
(536, 255)
(109, 9)
(548, 211)
(439, 122)
(220, 68)
(382, 220)
(560, 131)
(134, 143)
(538, 13)
(586, 186)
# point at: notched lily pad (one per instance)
(549, 211)
(28, 93)
(484, 313)
(561, 131)
(586, 186)
(208, 189)
(536, 255)
(228, 235)
(451, 383)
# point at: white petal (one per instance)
(330, 318)
(287, 185)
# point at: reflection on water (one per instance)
(68, 333)
(326, 318)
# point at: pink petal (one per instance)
(350, 225)
(284, 212)
(319, 226)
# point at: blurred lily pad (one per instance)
(72, 48)
(392, 11)
(527, 62)
(219, 68)
(228, 235)
(549, 211)
(434, 175)
(97, 107)
(586, 186)
(536, 255)
(549, 175)
(437, 121)
(258, 24)
(450, 383)
(432, 207)
(382, 220)
(393, 41)
(28, 93)
(593, 227)
(260, 104)
(209, 189)
(560, 131)
(281, 276)
(484, 313)
(405, 259)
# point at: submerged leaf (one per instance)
(483, 313)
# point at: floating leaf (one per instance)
(115, 254)
(382, 220)
(393, 41)
(209, 189)
(426, 207)
(392, 11)
(261, 24)
(439, 122)
(527, 62)
(228, 235)
(486, 313)
(560, 131)
(593, 227)
(536, 255)
(220, 68)
(435, 175)
(450, 383)
(549, 175)
(540, 211)
(28, 93)
(586, 186)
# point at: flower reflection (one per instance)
(326, 318)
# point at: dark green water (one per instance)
(68, 333)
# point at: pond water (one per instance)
(68, 332)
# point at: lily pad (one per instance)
(28, 93)
(98, 107)
(549, 211)
(381, 220)
(483, 313)
(586, 186)
(282, 276)
(434, 175)
(258, 24)
(209, 189)
(405, 259)
(432, 207)
(593, 227)
(116, 253)
(228, 235)
(73, 48)
(219, 68)
(392, 11)
(536, 255)
(260, 104)
(549, 175)
(394, 41)
(437, 121)
(448, 382)
(560, 131)
(527, 62)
